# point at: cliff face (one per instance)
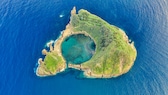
(114, 55)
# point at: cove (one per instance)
(78, 48)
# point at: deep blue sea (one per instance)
(27, 25)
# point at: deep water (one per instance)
(27, 25)
(78, 48)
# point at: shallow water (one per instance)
(78, 48)
(27, 25)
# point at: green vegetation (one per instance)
(53, 62)
(113, 55)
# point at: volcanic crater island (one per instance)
(91, 45)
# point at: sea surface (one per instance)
(26, 26)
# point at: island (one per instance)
(114, 53)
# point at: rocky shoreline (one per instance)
(41, 70)
(88, 73)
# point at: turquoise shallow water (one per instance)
(27, 25)
(78, 48)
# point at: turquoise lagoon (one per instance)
(78, 48)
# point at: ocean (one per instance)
(27, 25)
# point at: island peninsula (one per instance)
(114, 54)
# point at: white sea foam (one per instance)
(55, 41)
(61, 15)
(61, 33)
(50, 42)
(58, 37)
(36, 67)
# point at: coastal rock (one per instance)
(114, 54)
(44, 52)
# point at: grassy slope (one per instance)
(112, 50)
(53, 62)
